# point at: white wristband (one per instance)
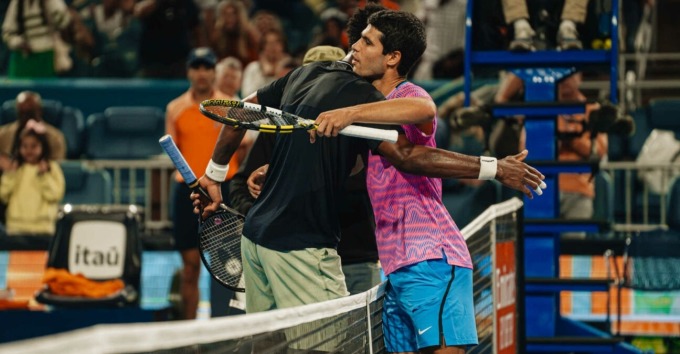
(216, 172)
(487, 167)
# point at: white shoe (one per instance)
(567, 37)
(524, 37)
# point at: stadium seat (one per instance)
(86, 186)
(67, 119)
(124, 133)
(101, 243)
(663, 114)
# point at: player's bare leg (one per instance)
(189, 285)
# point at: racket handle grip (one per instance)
(370, 133)
(178, 160)
(183, 167)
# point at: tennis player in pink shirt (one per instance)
(429, 303)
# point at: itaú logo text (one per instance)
(97, 249)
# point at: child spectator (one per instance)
(33, 186)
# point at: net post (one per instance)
(369, 324)
(494, 279)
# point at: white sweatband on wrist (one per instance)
(216, 172)
(487, 167)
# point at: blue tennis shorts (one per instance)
(426, 300)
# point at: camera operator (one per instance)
(575, 143)
(580, 137)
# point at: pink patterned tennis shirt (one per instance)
(412, 224)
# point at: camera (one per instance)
(606, 119)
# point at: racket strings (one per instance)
(220, 244)
(249, 116)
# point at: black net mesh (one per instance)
(653, 261)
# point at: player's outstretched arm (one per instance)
(514, 173)
(511, 171)
(408, 110)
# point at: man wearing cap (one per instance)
(195, 136)
(323, 53)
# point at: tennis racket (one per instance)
(271, 120)
(219, 236)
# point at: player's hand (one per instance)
(201, 204)
(256, 181)
(330, 123)
(512, 172)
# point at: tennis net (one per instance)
(348, 325)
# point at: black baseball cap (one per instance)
(202, 55)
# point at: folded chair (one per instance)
(101, 242)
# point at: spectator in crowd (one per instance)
(636, 21)
(348, 7)
(29, 106)
(267, 68)
(116, 38)
(233, 34)
(516, 14)
(73, 49)
(170, 28)
(195, 136)
(332, 29)
(299, 21)
(108, 18)
(388, 4)
(33, 185)
(445, 27)
(229, 74)
(30, 30)
(4, 51)
(265, 21)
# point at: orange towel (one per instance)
(61, 282)
(13, 305)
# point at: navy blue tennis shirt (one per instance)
(298, 205)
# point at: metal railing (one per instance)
(145, 183)
(637, 193)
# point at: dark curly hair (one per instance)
(42, 139)
(403, 32)
(358, 22)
